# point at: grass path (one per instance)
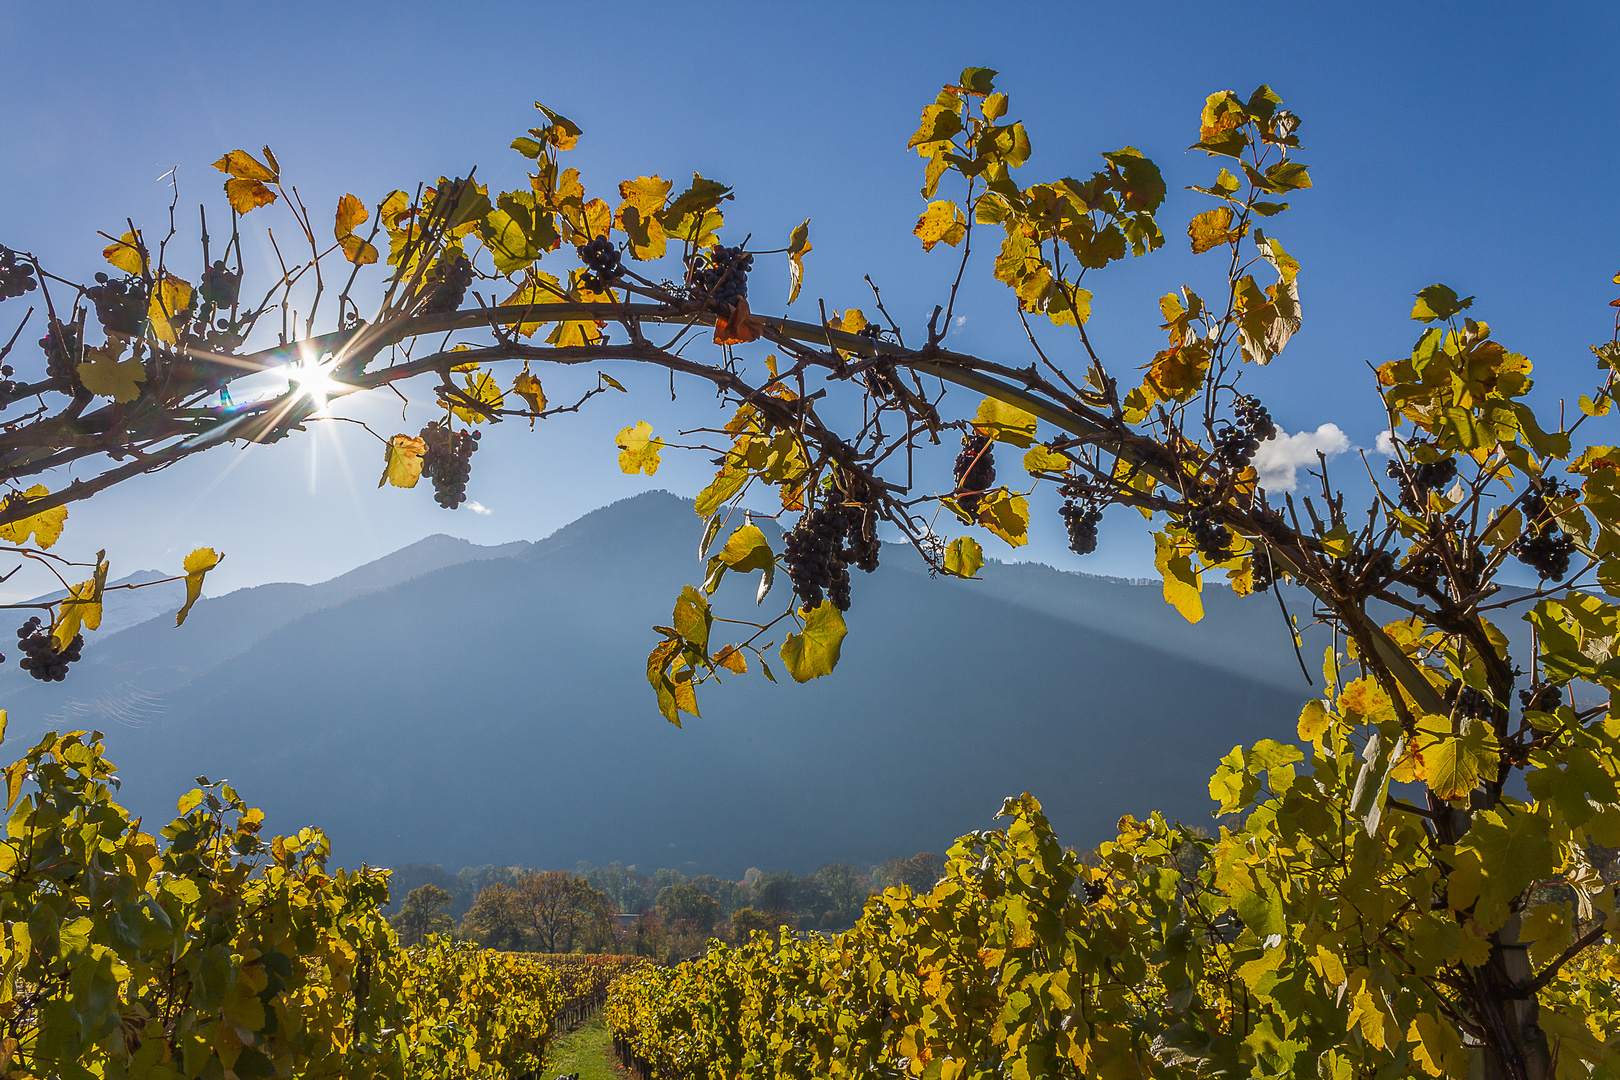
(587, 1051)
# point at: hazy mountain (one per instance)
(124, 674)
(475, 705)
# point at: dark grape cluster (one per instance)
(447, 284)
(1235, 444)
(120, 303)
(448, 462)
(16, 276)
(1543, 546)
(722, 275)
(40, 656)
(1263, 567)
(813, 553)
(1080, 514)
(1213, 540)
(62, 351)
(1425, 567)
(821, 548)
(602, 264)
(221, 286)
(1541, 698)
(1416, 479)
(1466, 702)
(975, 471)
(883, 381)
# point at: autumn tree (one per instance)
(685, 904)
(493, 918)
(557, 908)
(1335, 923)
(426, 911)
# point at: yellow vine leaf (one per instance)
(732, 659)
(798, 247)
(350, 213)
(247, 187)
(1314, 719)
(128, 253)
(82, 607)
(814, 652)
(527, 387)
(646, 193)
(726, 483)
(963, 557)
(1041, 458)
(1453, 765)
(241, 164)
(1213, 228)
(574, 332)
(482, 389)
(245, 196)
(638, 450)
(538, 287)
(1182, 581)
(1176, 373)
(1006, 423)
(1006, 515)
(637, 216)
(168, 299)
(402, 461)
(103, 373)
(1366, 700)
(196, 566)
(45, 526)
(942, 222)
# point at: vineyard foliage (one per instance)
(1024, 962)
(1382, 905)
(211, 951)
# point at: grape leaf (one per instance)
(638, 450)
(1006, 515)
(527, 387)
(197, 565)
(942, 222)
(798, 247)
(127, 253)
(46, 526)
(104, 374)
(1212, 229)
(814, 652)
(351, 212)
(1182, 581)
(169, 300)
(482, 389)
(1006, 423)
(402, 461)
(963, 557)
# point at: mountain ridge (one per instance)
(494, 710)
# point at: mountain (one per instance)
(461, 705)
(125, 674)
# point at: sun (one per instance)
(313, 379)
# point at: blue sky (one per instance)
(1473, 144)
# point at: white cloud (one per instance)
(1386, 443)
(479, 508)
(1279, 459)
(961, 321)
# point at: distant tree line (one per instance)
(617, 909)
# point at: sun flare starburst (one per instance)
(314, 380)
